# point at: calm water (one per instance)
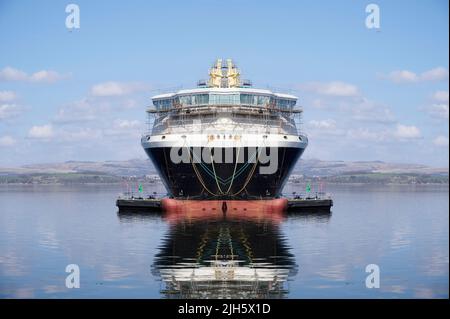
(404, 230)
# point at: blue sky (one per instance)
(81, 95)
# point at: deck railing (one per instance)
(247, 125)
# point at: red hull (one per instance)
(176, 209)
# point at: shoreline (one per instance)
(287, 184)
(360, 178)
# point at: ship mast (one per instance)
(224, 76)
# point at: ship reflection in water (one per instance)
(225, 253)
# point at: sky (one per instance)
(367, 93)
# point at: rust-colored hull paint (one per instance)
(178, 209)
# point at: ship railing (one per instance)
(235, 108)
(247, 126)
(165, 90)
(234, 121)
(211, 117)
(276, 89)
(312, 195)
(207, 116)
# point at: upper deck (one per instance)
(224, 88)
(227, 103)
(224, 97)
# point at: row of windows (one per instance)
(252, 99)
(196, 99)
(285, 104)
(163, 104)
(224, 99)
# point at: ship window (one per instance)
(263, 100)
(224, 99)
(195, 99)
(246, 99)
(202, 99)
(163, 104)
(252, 99)
(185, 100)
(285, 104)
(281, 104)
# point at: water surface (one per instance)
(402, 229)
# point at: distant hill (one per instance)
(115, 171)
(133, 167)
(314, 167)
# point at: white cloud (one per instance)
(7, 96)
(8, 110)
(323, 124)
(125, 128)
(365, 134)
(436, 74)
(10, 74)
(80, 111)
(334, 88)
(112, 88)
(76, 132)
(357, 108)
(45, 76)
(403, 76)
(92, 109)
(323, 129)
(441, 96)
(369, 111)
(82, 134)
(439, 111)
(398, 133)
(7, 140)
(406, 76)
(127, 124)
(41, 132)
(130, 103)
(407, 132)
(441, 141)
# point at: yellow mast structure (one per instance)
(233, 75)
(217, 78)
(215, 75)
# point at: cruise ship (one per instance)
(224, 139)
